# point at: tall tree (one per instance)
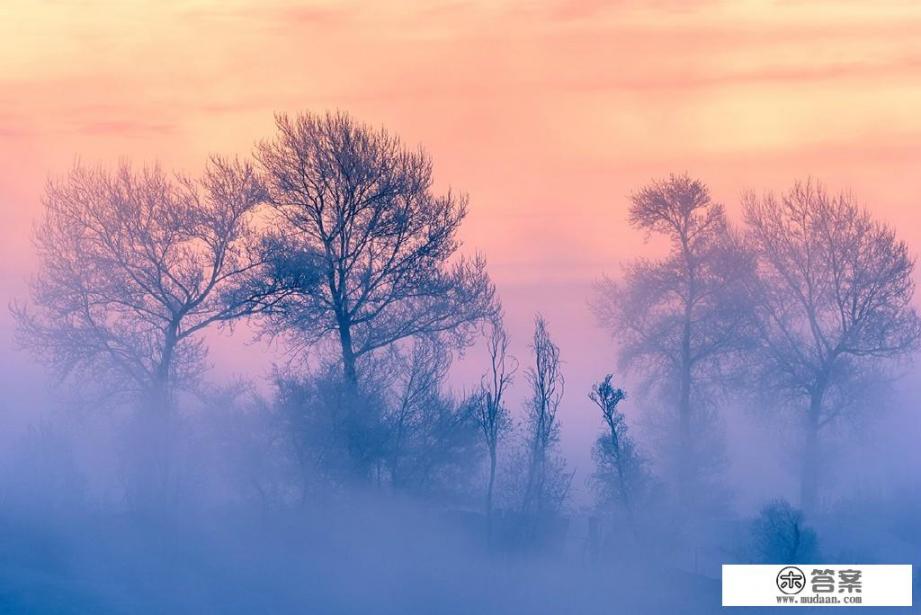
(491, 412)
(833, 299)
(357, 206)
(133, 266)
(546, 483)
(678, 318)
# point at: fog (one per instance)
(224, 394)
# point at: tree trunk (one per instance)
(684, 394)
(492, 481)
(684, 407)
(348, 355)
(150, 456)
(624, 487)
(811, 454)
(160, 401)
(531, 484)
(355, 421)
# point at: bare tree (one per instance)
(491, 413)
(833, 299)
(679, 318)
(134, 265)
(546, 484)
(618, 464)
(356, 206)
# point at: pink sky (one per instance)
(548, 114)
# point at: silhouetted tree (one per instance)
(133, 266)
(833, 299)
(491, 413)
(678, 319)
(357, 207)
(546, 480)
(619, 469)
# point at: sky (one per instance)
(549, 115)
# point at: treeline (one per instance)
(330, 239)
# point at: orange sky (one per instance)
(548, 114)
